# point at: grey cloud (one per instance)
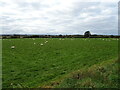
(26, 6)
(11, 30)
(63, 21)
(2, 4)
(83, 7)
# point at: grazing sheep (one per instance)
(12, 47)
(33, 39)
(34, 43)
(41, 44)
(46, 41)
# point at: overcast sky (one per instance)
(58, 16)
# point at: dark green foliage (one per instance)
(87, 34)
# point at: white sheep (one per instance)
(12, 47)
(41, 44)
(46, 41)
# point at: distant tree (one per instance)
(112, 36)
(94, 35)
(60, 35)
(87, 34)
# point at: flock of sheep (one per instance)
(13, 47)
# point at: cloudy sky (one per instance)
(58, 16)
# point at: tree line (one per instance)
(87, 34)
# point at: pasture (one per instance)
(37, 62)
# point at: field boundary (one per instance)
(99, 66)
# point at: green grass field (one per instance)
(55, 62)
